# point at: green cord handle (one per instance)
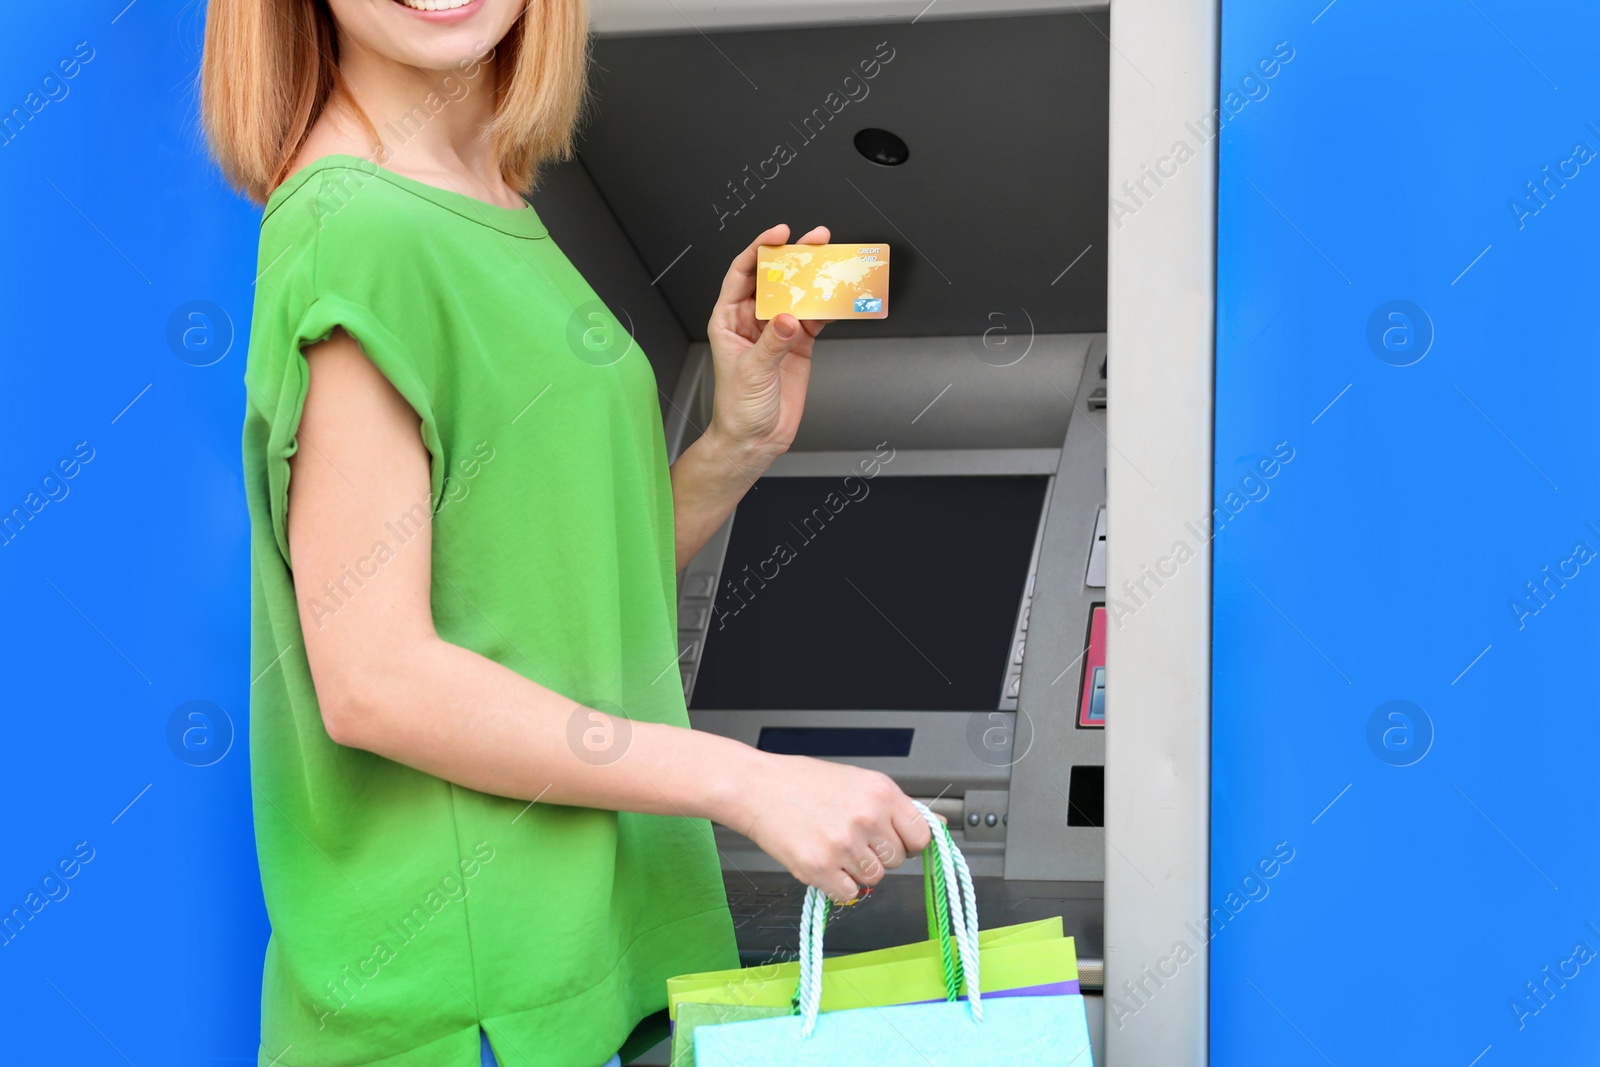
(939, 930)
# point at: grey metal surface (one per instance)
(925, 395)
(941, 392)
(921, 461)
(1094, 575)
(943, 760)
(1163, 291)
(1004, 188)
(932, 396)
(1094, 1007)
(689, 408)
(1091, 972)
(1040, 844)
(1010, 688)
(584, 228)
(984, 814)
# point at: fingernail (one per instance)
(785, 330)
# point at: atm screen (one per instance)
(895, 593)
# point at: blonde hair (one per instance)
(270, 68)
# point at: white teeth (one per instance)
(435, 5)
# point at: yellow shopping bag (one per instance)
(902, 973)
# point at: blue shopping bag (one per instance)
(973, 1032)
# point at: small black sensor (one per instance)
(882, 147)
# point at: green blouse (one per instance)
(406, 910)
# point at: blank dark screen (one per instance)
(895, 593)
(836, 740)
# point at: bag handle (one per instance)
(952, 912)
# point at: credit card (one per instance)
(823, 281)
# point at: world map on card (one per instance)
(823, 281)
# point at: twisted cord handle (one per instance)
(937, 902)
(961, 904)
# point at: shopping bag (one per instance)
(692, 1015)
(1015, 1032)
(872, 986)
(1025, 959)
(1044, 1029)
(709, 987)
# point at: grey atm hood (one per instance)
(997, 219)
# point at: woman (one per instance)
(480, 815)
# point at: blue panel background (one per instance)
(1383, 562)
(126, 597)
(1380, 565)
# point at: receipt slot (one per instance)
(926, 582)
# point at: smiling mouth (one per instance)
(433, 5)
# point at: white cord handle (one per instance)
(963, 905)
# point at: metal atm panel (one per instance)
(1000, 772)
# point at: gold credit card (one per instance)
(823, 281)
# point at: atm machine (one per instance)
(921, 592)
(919, 584)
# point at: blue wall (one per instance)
(1457, 858)
(1381, 564)
(125, 598)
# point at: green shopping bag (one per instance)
(1048, 1027)
(1021, 956)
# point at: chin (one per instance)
(430, 34)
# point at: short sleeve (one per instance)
(392, 361)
